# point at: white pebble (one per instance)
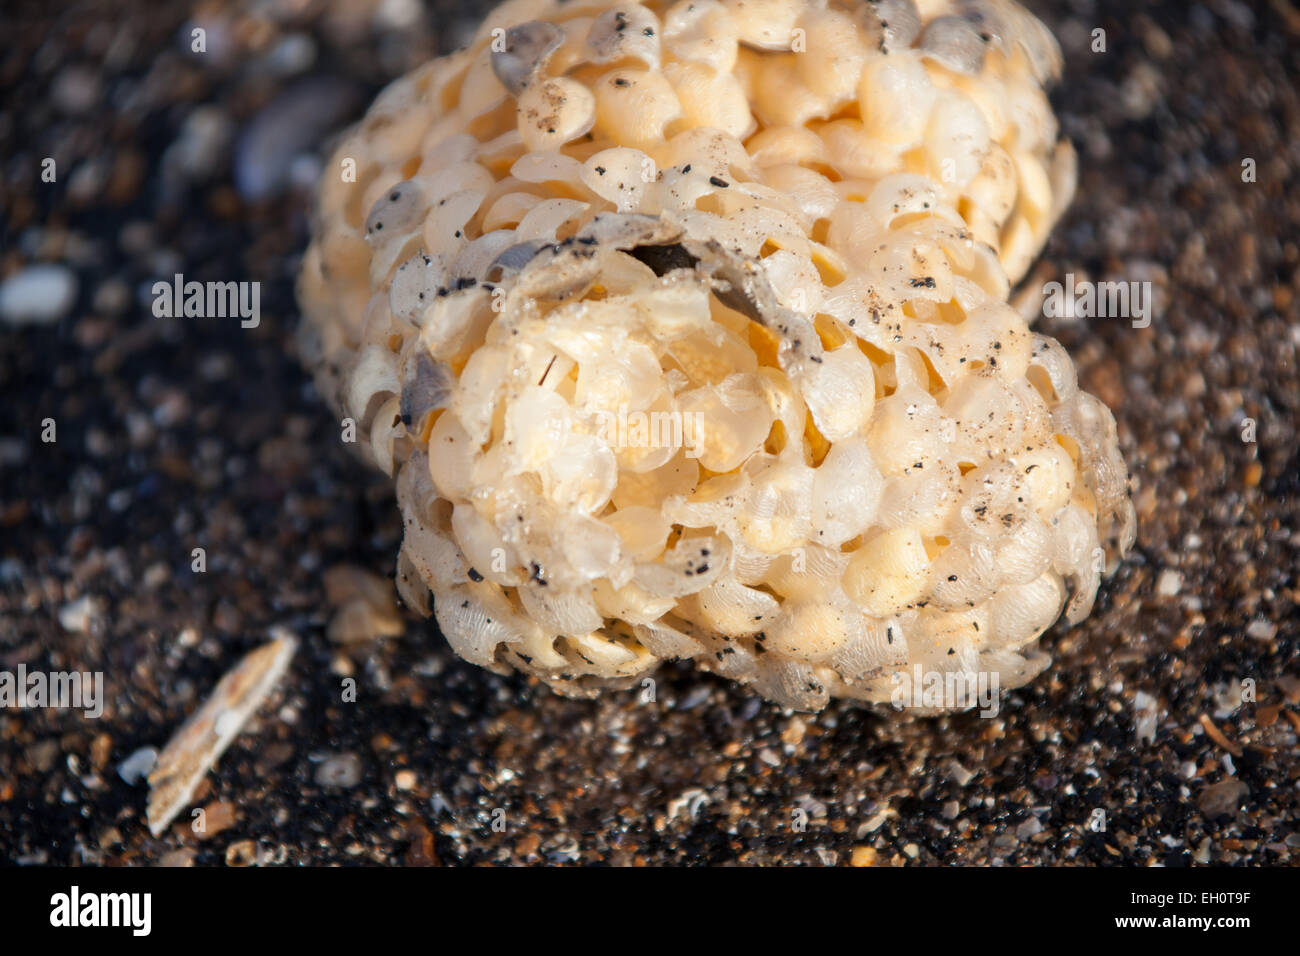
(78, 615)
(1261, 630)
(1029, 828)
(138, 766)
(960, 775)
(38, 295)
(340, 771)
(1169, 583)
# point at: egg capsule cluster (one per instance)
(683, 329)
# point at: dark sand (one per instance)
(176, 434)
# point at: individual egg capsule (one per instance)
(840, 391)
(592, 550)
(726, 425)
(943, 642)
(628, 376)
(778, 512)
(812, 632)
(1019, 613)
(895, 97)
(831, 53)
(444, 227)
(701, 31)
(635, 107)
(780, 96)
(484, 549)
(710, 98)
(965, 573)
(888, 572)
(1024, 551)
(1049, 477)
(880, 647)
(692, 563)
(735, 610)
(994, 188)
(630, 602)
(786, 146)
(812, 193)
(988, 416)
(714, 503)
(846, 493)
(908, 427)
(581, 474)
(557, 610)
(613, 658)
(476, 619)
(678, 477)
(398, 210)
(644, 531)
(415, 285)
(620, 175)
(554, 111)
(926, 499)
(956, 140)
(807, 573)
(624, 32)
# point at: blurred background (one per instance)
(173, 434)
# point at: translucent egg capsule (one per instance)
(683, 328)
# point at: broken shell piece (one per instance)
(527, 47)
(426, 387)
(956, 43)
(204, 737)
(365, 603)
(900, 22)
(629, 31)
(399, 210)
(765, 24)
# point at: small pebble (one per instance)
(863, 856)
(137, 766)
(1169, 583)
(38, 295)
(1222, 799)
(960, 775)
(1029, 828)
(201, 146)
(78, 616)
(695, 697)
(243, 853)
(76, 90)
(43, 755)
(294, 54)
(341, 771)
(1261, 630)
(794, 732)
(182, 857)
(217, 816)
(112, 297)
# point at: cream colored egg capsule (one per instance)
(683, 329)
